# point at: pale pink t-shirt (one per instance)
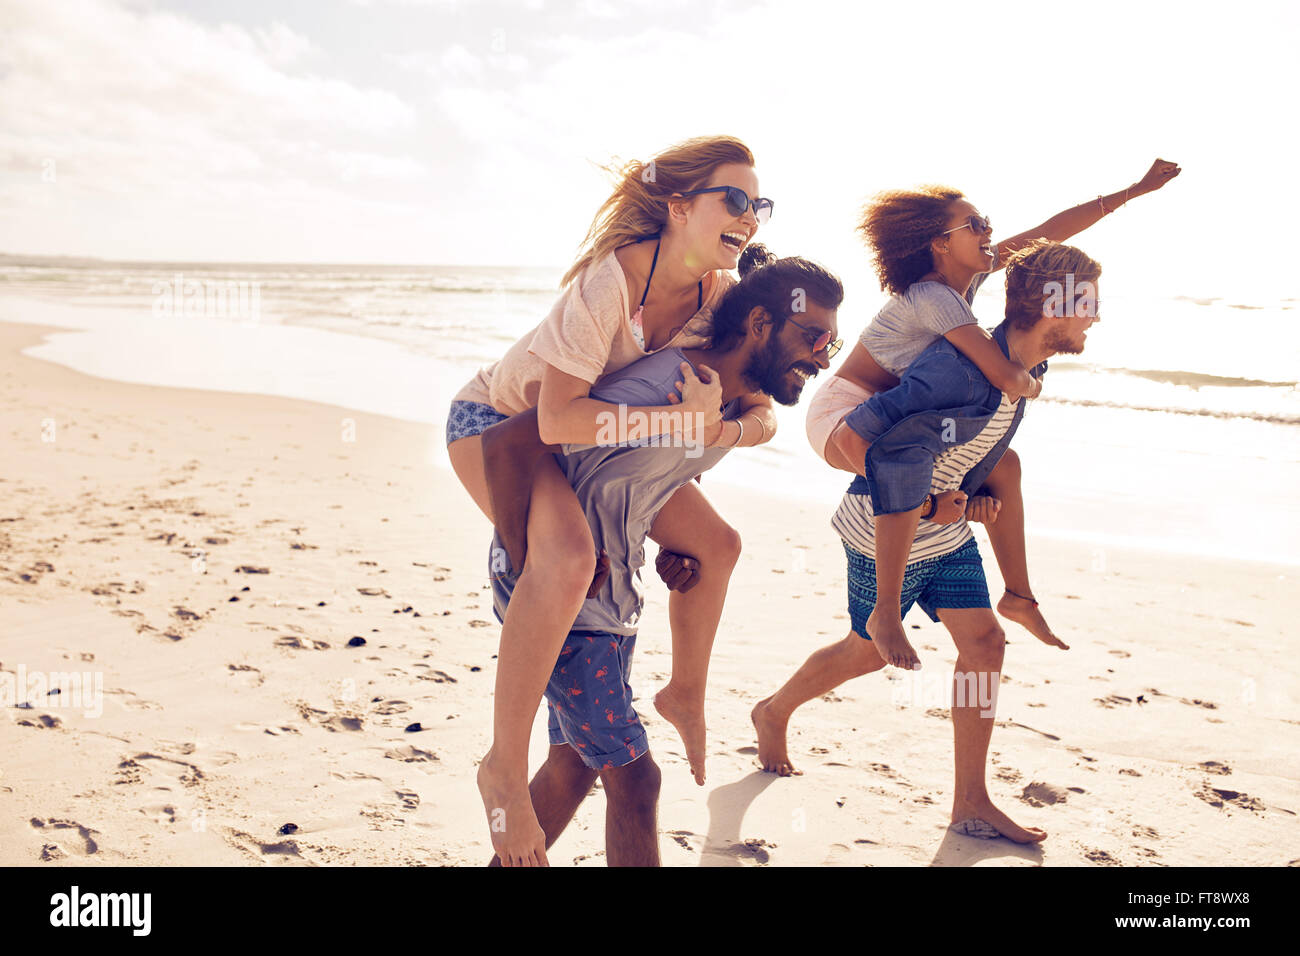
(588, 334)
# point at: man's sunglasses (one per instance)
(738, 201)
(823, 340)
(978, 225)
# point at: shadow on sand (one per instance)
(727, 806)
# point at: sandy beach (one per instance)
(210, 560)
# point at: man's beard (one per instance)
(1059, 343)
(768, 371)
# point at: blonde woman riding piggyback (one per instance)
(933, 249)
(654, 264)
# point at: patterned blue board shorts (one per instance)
(589, 700)
(953, 580)
(470, 418)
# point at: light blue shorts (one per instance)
(470, 418)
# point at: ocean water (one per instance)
(1186, 403)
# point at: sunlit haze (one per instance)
(469, 133)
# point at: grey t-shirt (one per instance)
(622, 488)
(911, 321)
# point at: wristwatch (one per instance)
(931, 504)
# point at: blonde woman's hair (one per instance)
(638, 207)
(1031, 268)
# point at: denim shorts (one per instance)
(952, 580)
(470, 418)
(589, 701)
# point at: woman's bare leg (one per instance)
(466, 456)
(1007, 536)
(689, 525)
(546, 599)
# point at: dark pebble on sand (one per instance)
(320, 603)
(245, 588)
(408, 609)
(288, 828)
(233, 597)
(356, 642)
(414, 728)
(53, 692)
(475, 669)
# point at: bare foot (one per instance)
(886, 632)
(517, 837)
(771, 740)
(967, 817)
(689, 721)
(1025, 613)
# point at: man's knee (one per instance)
(635, 787)
(720, 545)
(1007, 470)
(985, 649)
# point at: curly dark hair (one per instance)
(771, 283)
(899, 225)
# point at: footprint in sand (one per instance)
(1215, 767)
(437, 676)
(837, 854)
(750, 851)
(1113, 700)
(131, 701)
(331, 722)
(1146, 833)
(301, 643)
(410, 800)
(285, 851)
(393, 707)
(251, 675)
(408, 753)
(1218, 798)
(41, 721)
(161, 771)
(682, 839)
(1039, 794)
(80, 841)
(1100, 857)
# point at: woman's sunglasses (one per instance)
(823, 340)
(978, 224)
(738, 201)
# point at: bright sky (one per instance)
(466, 131)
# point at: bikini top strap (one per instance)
(653, 262)
(699, 288)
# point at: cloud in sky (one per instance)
(453, 131)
